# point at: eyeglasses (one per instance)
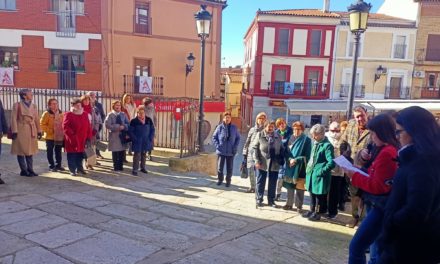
(334, 130)
(398, 131)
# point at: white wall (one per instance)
(269, 40)
(299, 42)
(400, 8)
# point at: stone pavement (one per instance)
(161, 217)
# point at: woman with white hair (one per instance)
(318, 175)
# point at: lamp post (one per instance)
(203, 23)
(358, 24)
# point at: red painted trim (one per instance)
(276, 67)
(277, 42)
(309, 44)
(259, 59)
(308, 69)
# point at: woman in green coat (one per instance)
(298, 153)
(318, 173)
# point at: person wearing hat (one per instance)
(26, 131)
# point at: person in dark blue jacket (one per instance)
(3, 129)
(225, 139)
(285, 133)
(142, 134)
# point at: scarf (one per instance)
(26, 103)
(76, 112)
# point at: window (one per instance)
(283, 41)
(142, 19)
(280, 75)
(67, 60)
(7, 5)
(142, 67)
(433, 48)
(315, 44)
(313, 80)
(8, 57)
(400, 47)
(71, 6)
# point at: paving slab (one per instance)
(189, 228)
(120, 197)
(10, 244)
(163, 238)
(7, 260)
(74, 213)
(127, 212)
(107, 247)
(73, 197)
(11, 206)
(25, 215)
(32, 199)
(62, 235)
(35, 225)
(227, 223)
(181, 213)
(36, 255)
(92, 204)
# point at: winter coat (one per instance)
(114, 140)
(27, 126)
(411, 232)
(226, 140)
(248, 149)
(285, 137)
(318, 172)
(94, 118)
(357, 142)
(129, 110)
(76, 127)
(268, 158)
(3, 123)
(47, 123)
(100, 110)
(142, 135)
(299, 151)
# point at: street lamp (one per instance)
(190, 63)
(379, 71)
(358, 24)
(203, 23)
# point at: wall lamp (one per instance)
(190, 63)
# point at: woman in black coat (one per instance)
(411, 231)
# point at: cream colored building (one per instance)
(389, 44)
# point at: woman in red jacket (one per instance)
(376, 186)
(77, 131)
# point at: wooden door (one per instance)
(395, 87)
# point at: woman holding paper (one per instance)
(376, 187)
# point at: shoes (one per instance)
(330, 216)
(273, 205)
(260, 204)
(150, 158)
(287, 207)
(1, 181)
(299, 210)
(352, 223)
(72, 174)
(51, 167)
(32, 174)
(89, 167)
(134, 173)
(277, 198)
(98, 163)
(60, 168)
(82, 171)
(25, 174)
(144, 171)
(307, 214)
(250, 190)
(219, 183)
(315, 217)
(228, 184)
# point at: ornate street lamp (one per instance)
(190, 63)
(358, 24)
(203, 23)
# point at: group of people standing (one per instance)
(78, 132)
(395, 199)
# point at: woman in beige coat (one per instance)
(25, 126)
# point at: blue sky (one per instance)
(239, 14)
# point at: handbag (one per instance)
(9, 134)
(101, 146)
(243, 170)
(89, 151)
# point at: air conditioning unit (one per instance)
(419, 74)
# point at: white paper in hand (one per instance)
(342, 162)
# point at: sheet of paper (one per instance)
(342, 162)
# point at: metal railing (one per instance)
(175, 122)
(396, 92)
(359, 90)
(67, 80)
(66, 24)
(399, 51)
(298, 90)
(429, 92)
(132, 83)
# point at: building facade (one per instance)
(288, 55)
(153, 38)
(54, 44)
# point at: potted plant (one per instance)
(6, 64)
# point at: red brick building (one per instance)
(52, 43)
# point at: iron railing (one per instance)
(298, 90)
(397, 92)
(67, 80)
(359, 90)
(66, 24)
(429, 92)
(399, 51)
(175, 122)
(132, 83)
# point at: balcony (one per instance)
(359, 90)
(396, 92)
(66, 24)
(429, 92)
(399, 51)
(132, 84)
(299, 90)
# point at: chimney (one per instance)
(326, 7)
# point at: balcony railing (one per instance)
(399, 51)
(359, 90)
(67, 80)
(429, 92)
(396, 92)
(299, 90)
(66, 24)
(132, 84)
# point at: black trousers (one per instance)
(26, 163)
(51, 149)
(74, 161)
(334, 196)
(220, 166)
(318, 203)
(118, 160)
